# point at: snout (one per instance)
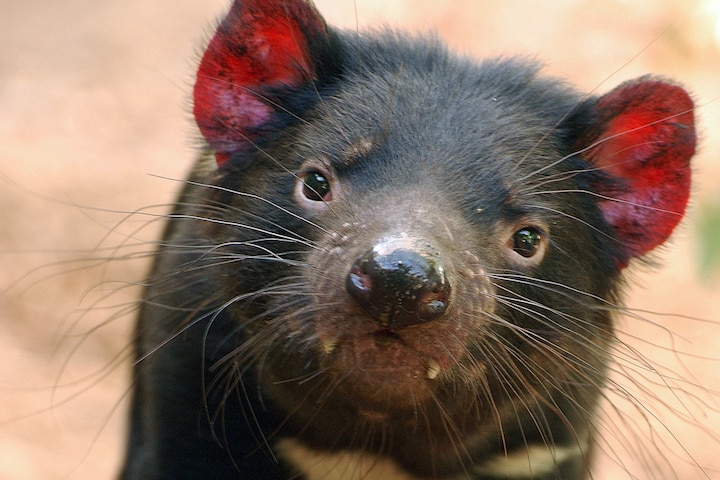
(400, 281)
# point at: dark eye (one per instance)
(527, 241)
(316, 187)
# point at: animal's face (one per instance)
(407, 254)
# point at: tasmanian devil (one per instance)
(392, 262)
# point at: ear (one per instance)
(642, 137)
(260, 46)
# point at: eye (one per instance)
(316, 186)
(527, 241)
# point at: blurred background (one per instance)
(94, 123)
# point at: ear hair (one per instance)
(259, 46)
(642, 137)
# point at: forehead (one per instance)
(459, 116)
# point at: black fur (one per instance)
(227, 346)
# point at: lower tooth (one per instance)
(433, 370)
(329, 346)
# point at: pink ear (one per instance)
(644, 138)
(259, 45)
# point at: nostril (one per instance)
(433, 303)
(359, 280)
(365, 283)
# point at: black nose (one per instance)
(399, 283)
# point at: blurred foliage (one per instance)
(709, 239)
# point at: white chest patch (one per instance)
(533, 461)
(339, 466)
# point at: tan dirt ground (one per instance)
(93, 122)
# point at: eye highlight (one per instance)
(527, 242)
(316, 186)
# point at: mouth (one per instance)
(388, 370)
